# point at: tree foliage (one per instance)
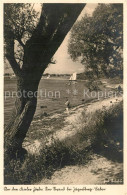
(97, 40)
(20, 20)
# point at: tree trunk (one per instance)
(25, 106)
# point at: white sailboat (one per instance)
(48, 76)
(73, 78)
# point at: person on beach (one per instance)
(67, 103)
(119, 90)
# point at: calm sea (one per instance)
(52, 95)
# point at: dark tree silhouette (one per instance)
(37, 39)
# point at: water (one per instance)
(52, 95)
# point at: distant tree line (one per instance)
(56, 75)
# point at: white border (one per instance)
(110, 189)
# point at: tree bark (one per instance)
(25, 106)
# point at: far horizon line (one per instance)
(7, 73)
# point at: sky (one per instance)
(64, 64)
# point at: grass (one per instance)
(101, 132)
(36, 167)
(105, 132)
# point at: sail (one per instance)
(48, 76)
(73, 77)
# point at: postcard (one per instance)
(63, 97)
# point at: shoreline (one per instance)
(60, 111)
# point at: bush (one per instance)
(93, 85)
(105, 131)
(37, 167)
